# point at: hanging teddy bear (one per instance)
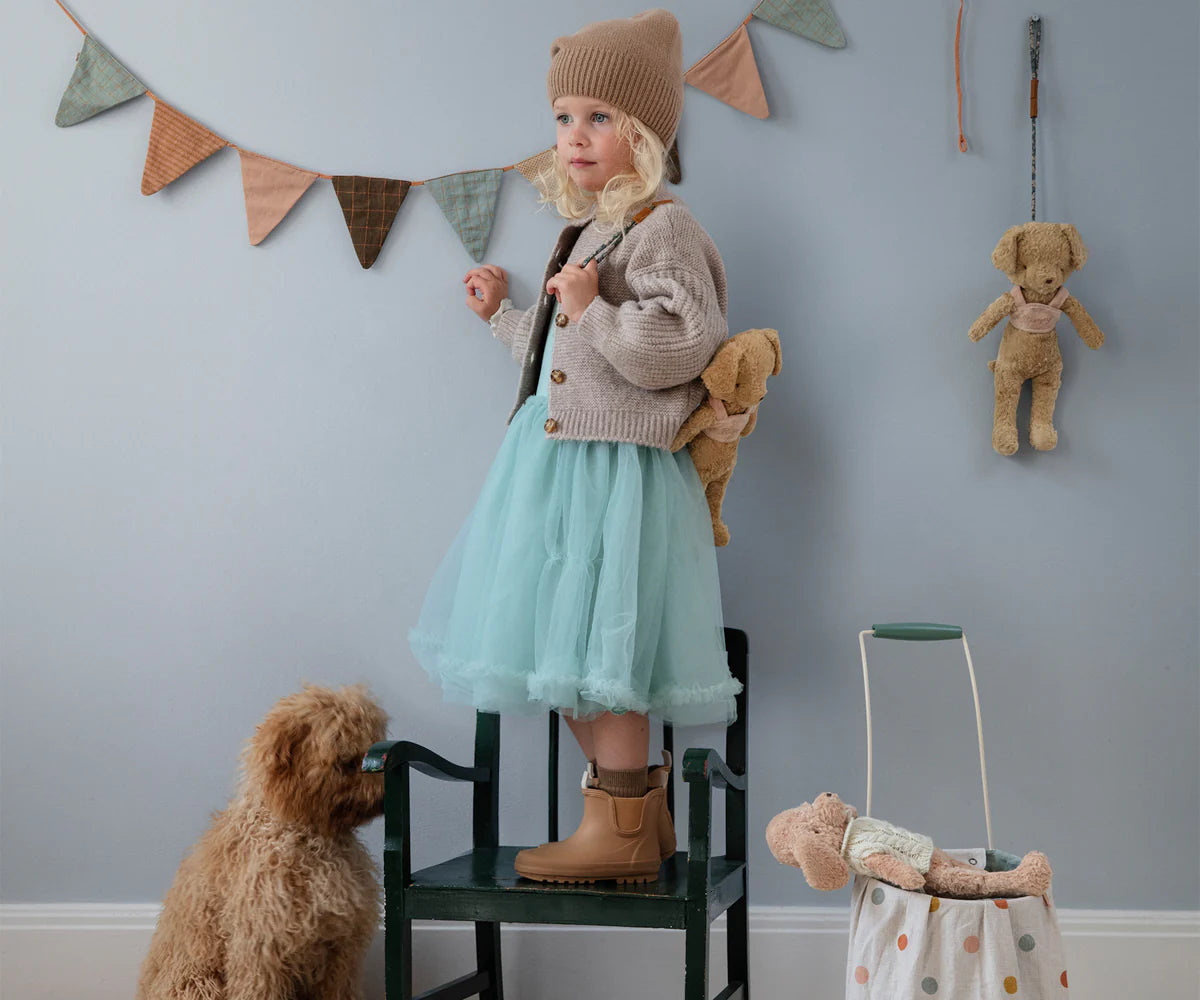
(1037, 257)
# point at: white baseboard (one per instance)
(92, 952)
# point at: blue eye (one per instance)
(600, 115)
(561, 119)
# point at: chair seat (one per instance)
(482, 885)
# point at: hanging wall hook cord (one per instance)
(1035, 53)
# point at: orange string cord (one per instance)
(749, 18)
(962, 141)
(71, 16)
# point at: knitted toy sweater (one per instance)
(628, 369)
(866, 836)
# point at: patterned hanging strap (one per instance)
(607, 247)
(1035, 53)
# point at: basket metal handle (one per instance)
(923, 632)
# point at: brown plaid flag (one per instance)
(370, 205)
(98, 83)
(813, 19)
(176, 145)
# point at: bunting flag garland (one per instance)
(807, 18)
(271, 189)
(98, 83)
(730, 74)
(176, 145)
(468, 201)
(370, 205)
(530, 167)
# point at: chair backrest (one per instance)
(486, 803)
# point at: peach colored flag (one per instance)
(530, 167)
(176, 145)
(271, 189)
(730, 74)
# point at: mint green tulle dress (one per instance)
(585, 580)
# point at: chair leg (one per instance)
(487, 955)
(695, 975)
(737, 945)
(397, 959)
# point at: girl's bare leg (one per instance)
(584, 736)
(621, 742)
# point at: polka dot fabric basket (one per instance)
(912, 946)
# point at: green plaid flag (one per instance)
(468, 200)
(98, 83)
(808, 18)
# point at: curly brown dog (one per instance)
(279, 899)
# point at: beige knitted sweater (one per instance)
(629, 369)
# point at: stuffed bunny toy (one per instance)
(736, 380)
(827, 839)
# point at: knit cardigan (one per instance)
(628, 369)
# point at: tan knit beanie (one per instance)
(633, 63)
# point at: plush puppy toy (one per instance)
(1037, 257)
(827, 840)
(736, 379)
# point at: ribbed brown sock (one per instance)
(629, 784)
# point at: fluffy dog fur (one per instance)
(1036, 257)
(737, 376)
(810, 836)
(279, 899)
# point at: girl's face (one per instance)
(588, 145)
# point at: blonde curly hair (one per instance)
(624, 194)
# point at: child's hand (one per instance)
(492, 283)
(575, 287)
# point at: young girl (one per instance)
(585, 578)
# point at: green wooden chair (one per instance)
(692, 890)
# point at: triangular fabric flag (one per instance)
(370, 205)
(271, 189)
(468, 200)
(98, 83)
(808, 18)
(730, 74)
(176, 145)
(532, 166)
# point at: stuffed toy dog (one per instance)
(827, 840)
(1037, 257)
(279, 899)
(736, 379)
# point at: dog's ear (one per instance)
(285, 743)
(1079, 252)
(721, 375)
(1004, 257)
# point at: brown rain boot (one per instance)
(658, 776)
(617, 839)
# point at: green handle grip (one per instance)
(917, 631)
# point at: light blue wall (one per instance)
(229, 469)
